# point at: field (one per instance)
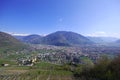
(40, 71)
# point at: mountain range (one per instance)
(59, 38)
(65, 38)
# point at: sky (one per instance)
(86, 17)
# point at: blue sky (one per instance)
(87, 17)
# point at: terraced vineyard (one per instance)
(41, 71)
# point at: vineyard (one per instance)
(41, 71)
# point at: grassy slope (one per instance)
(41, 71)
(9, 45)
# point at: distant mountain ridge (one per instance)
(102, 39)
(117, 41)
(66, 38)
(59, 38)
(33, 39)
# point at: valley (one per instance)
(21, 60)
(59, 39)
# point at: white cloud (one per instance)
(43, 35)
(18, 34)
(22, 34)
(96, 34)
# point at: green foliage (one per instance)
(88, 63)
(6, 61)
(66, 67)
(105, 69)
(114, 68)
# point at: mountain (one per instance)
(19, 37)
(117, 41)
(33, 39)
(102, 39)
(8, 42)
(65, 38)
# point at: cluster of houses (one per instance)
(66, 57)
(27, 62)
(23, 62)
(59, 55)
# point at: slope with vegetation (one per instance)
(9, 44)
(105, 69)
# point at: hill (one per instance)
(33, 39)
(9, 43)
(65, 38)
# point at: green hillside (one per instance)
(9, 44)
